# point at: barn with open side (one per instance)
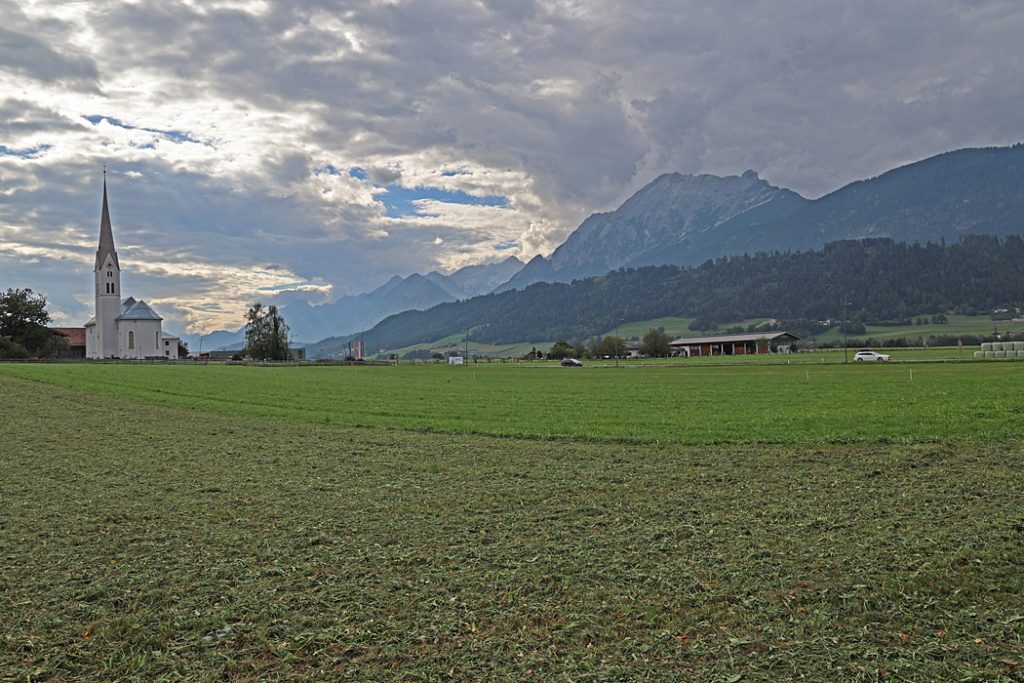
(735, 344)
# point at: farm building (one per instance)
(76, 340)
(734, 344)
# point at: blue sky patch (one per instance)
(27, 153)
(172, 135)
(399, 200)
(505, 246)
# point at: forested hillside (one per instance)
(879, 279)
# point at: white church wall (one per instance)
(139, 339)
(90, 342)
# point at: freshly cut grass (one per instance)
(691, 404)
(147, 542)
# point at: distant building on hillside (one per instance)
(127, 328)
(735, 344)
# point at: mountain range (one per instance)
(351, 314)
(688, 219)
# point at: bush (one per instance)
(12, 349)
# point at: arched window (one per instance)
(131, 339)
(157, 335)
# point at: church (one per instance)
(122, 328)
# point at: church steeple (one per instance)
(106, 245)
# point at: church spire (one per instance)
(106, 245)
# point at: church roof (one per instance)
(106, 246)
(138, 310)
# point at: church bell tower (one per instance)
(108, 286)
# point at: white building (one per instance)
(121, 328)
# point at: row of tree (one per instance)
(655, 344)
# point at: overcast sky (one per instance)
(267, 151)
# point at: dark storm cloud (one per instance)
(229, 115)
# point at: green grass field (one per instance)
(690, 404)
(754, 523)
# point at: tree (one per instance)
(656, 344)
(266, 334)
(23, 319)
(613, 346)
(560, 349)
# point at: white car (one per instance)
(870, 356)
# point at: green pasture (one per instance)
(676, 327)
(686, 404)
(979, 325)
(162, 524)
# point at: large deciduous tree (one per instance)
(656, 344)
(266, 334)
(613, 346)
(560, 349)
(23, 330)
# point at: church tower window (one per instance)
(131, 339)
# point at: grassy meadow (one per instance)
(705, 523)
(979, 325)
(692, 404)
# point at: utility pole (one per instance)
(467, 345)
(846, 346)
(618, 326)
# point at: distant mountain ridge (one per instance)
(351, 314)
(686, 220)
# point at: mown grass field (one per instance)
(171, 523)
(691, 404)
